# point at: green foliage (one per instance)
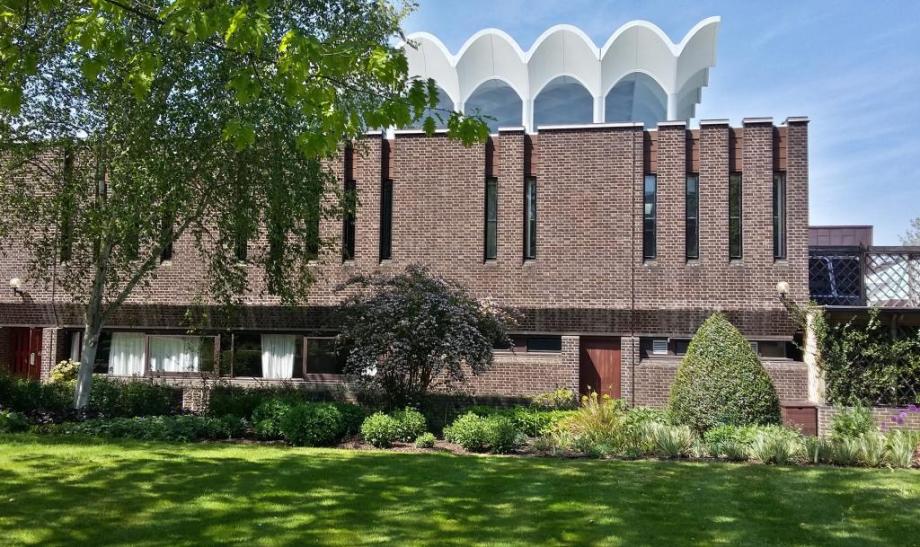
(720, 381)
(597, 428)
(266, 418)
(184, 428)
(484, 434)
(670, 441)
(558, 399)
(425, 440)
(12, 422)
(863, 364)
(187, 110)
(381, 430)
(228, 399)
(314, 424)
(33, 397)
(64, 372)
(902, 448)
(873, 449)
(113, 398)
(852, 422)
(402, 333)
(410, 423)
(777, 445)
(531, 421)
(730, 441)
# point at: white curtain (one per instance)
(278, 355)
(174, 353)
(126, 354)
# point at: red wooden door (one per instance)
(599, 366)
(27, 352)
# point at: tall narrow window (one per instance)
(68, 204)
(649, 217)
(692, 219)
(386, 219)
(241, 247)
(166, 253)
(348, 222)
(530, 218)
(491, 228)
(779, 215)
(734, 216)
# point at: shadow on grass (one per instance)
(67, 491)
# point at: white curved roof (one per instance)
(681, 70)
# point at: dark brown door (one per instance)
(599, 366)
(27, 352)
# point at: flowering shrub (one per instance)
(65, 371)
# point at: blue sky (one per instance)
(852, 67)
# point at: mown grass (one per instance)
(56, 491)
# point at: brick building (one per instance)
(612, 239)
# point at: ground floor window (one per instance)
(138, 354)
(534, 343)
(322, 357)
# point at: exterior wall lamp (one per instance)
(782, 288)
(16, 285)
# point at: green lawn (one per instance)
(58, 491)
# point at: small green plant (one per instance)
(64, 372)
(872, 449)
(314, 424)
(381, 430)
(266, 418)
(597, 428)
(902, 448)
(671, 441)
(844, 451)
(819, 450)
(425, 440)
(12, 422)
(410, 423)
(777, 445)
(558, 399)
(852, 422)
(730, 441)
(481, 434)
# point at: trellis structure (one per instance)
(886, 277)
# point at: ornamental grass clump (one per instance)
(597, 428)
(777, 445)
(671, 441)
(721, 381)
(902, 448)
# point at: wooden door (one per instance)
(599, 366)
(27, 352)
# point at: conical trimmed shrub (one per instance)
(721, 381)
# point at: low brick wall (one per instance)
(881, 414)
(654, 377)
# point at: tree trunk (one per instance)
(93, 321)
(87, 362)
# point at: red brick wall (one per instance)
(589, 276)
